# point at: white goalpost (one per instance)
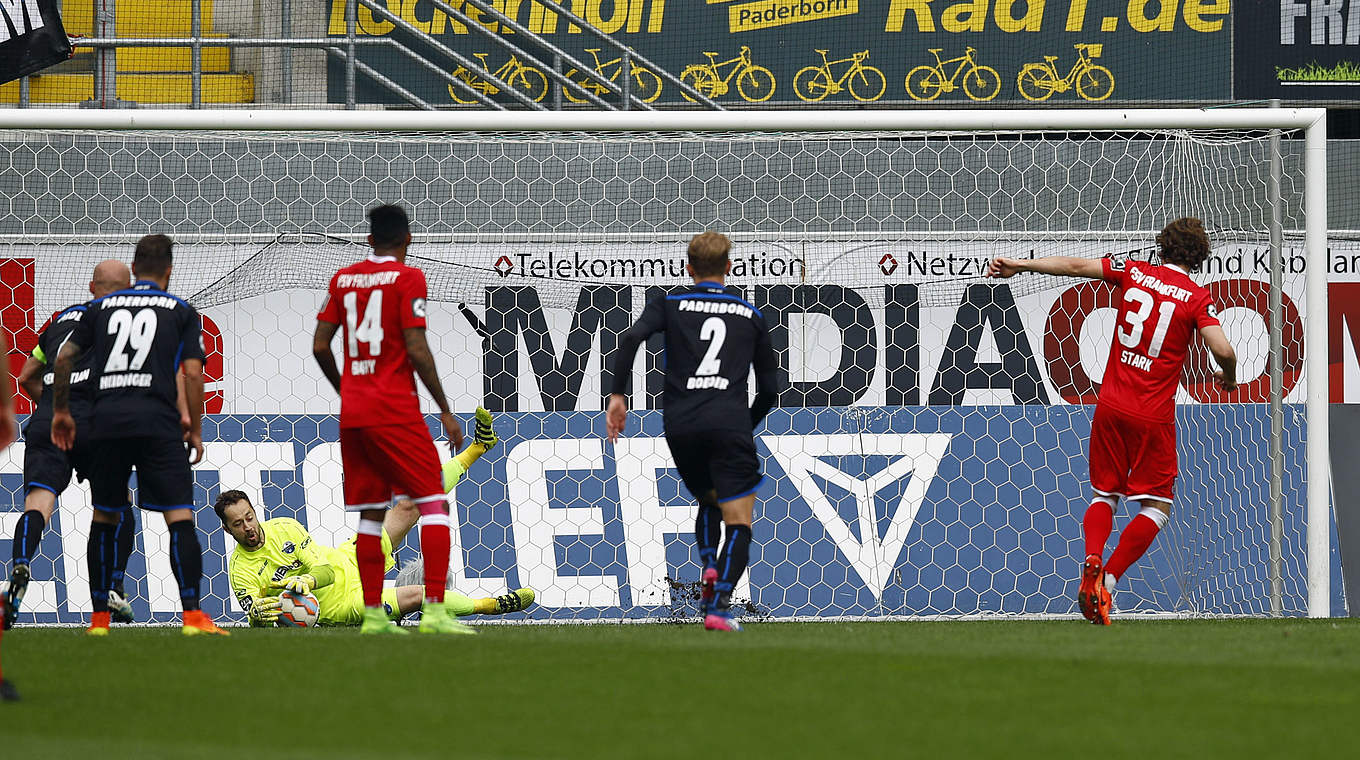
(929, 456)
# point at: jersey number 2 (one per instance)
(136, 332)
(1138, 315)
(370, 329)
(714, 329)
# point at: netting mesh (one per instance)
(928, 457)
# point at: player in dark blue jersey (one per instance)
(7, 430)
(48, 469)
(713, 339)
(140, 339)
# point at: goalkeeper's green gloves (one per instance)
(264, 611)
(302, 584)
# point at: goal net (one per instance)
(928, 457)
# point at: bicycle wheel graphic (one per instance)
(1095, 83)
(1035, 82)
(869, 84)
(463, 75)
(982, 83)
(924, 83)
(533, 82)
(756, 84)
(812, 84)
(700, 78)
(579, 78)
(646, 85)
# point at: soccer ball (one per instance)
(297, 610)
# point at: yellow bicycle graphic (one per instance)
(814, 83)
(646, 84)
(1038, 81)
(532, 81)
(755, 83)
(926, 82)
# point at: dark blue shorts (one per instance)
(48, 467)
(164, 478)
(724, 461)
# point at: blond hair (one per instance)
(708, 254)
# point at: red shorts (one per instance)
(386, 461)
(1131, 457)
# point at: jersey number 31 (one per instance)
(1138, 315)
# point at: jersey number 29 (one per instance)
(370, 329)
(136, 332)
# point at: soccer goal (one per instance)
(929, 455)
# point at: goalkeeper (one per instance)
(280, 554)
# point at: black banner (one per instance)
(1296, 49)
(779, 53)
(31, 38)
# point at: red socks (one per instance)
(1097, 525)
(1135, 540)
(368, 551)
(435, 542)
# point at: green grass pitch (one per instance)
(1188, 688)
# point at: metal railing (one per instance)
(475, 83)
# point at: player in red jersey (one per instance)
(385, 447)
(1133, 432)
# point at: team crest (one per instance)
(288, 547)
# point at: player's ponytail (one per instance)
(1185, 243)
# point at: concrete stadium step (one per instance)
(139, 88)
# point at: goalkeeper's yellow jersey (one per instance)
(289, 550)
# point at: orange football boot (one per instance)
(1104, 600)
(99, 624)
(1088, 596)
(197, 623)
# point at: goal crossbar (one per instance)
(668, 121)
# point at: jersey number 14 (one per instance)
(370, 329)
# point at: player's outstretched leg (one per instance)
(1133, 543)
(119, 608)
(459, 605)
(484, 434)
(1096, 526)
(514, 601)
